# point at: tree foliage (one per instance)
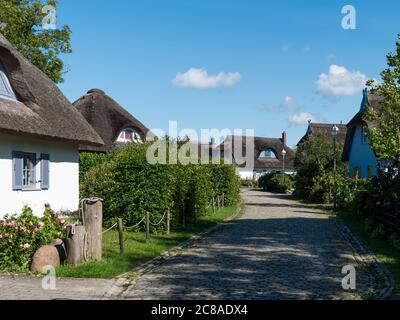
(385, 137)
(314, 164)
(22, 26)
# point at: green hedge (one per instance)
(276, 182)
(131, 186)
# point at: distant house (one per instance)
(315, 128)
(363, 161)
(114, 124)
(267, 156)
(39, 136)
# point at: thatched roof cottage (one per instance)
(112, 122)
(267, 157)
(40, 132)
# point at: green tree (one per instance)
(21, 22)
(314, 164)
(385, 136)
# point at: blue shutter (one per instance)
(45, 171)
(17, 177)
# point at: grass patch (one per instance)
(383, 250)
(137, 251)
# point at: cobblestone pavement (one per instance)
(279, 249)
(30, 288)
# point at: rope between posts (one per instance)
(162, 219)
(136, 225)
(109, 229)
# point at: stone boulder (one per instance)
(45, 256)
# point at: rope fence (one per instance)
(217, 202)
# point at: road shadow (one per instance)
(257, 259)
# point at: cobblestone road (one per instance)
(278, 249)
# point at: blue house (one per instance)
(363, 161)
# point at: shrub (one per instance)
(89, 160)
(379, 232)
(249, 183)
(276, 182)
(21, 236)
(131, 187)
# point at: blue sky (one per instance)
(254, 64)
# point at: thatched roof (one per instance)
(373, 100)
(260, 145)
(42, 110)
(315, 128)
(108, 118)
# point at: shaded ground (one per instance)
(279, 249)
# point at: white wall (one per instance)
(63, 193)
(246, 174)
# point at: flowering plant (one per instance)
(21, 236)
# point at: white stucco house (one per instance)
(40, 134)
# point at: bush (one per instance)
(131, 187)
(276, 182)
(89, 160)
(21, 236)
(249, 183)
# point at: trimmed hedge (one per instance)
(276, 182)
(131, 186)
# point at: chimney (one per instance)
(284, 140)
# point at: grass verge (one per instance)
(383, 250)
(137, 251)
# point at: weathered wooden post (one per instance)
(213, 204)
(93, 221)
(147, 227)
(75, 245)
(121, 237)
(168, 222)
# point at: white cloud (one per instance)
(200, 79)
(339, 82)
(288, 102)
(302, 118)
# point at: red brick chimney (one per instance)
(284, 140)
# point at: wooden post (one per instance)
(213, 204)
(147, 227)
(121, 237)
(168, 222)
(75, 246)
(93, 217)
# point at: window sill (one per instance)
(30, 190)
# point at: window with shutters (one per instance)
(29, 171)
(26, 168)
(5, 86)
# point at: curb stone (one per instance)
(124, 281)
(363, 253)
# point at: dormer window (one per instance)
(268, 154)
(129, 135)
(5, 86)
